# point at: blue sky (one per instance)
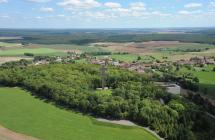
(106, 13)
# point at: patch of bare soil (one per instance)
(10, 38)
(6, 134)
(9, 59)
(138, 48)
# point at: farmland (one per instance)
(157, 50)
(36, 51)
(28, 115)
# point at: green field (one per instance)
(25, 114)
(125, 57)
(36, 51)
(187, 47)
(83, 48)
(206, 79)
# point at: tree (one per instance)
(205, 91)
(139, 58)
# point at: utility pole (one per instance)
(103, 70)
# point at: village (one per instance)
(136, 66)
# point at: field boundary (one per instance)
(6, 134)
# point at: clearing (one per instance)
(28, 115)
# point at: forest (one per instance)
(81, 37)
(134, 97)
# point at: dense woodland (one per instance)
(81, 37)
(134, 97)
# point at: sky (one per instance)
(106, 13)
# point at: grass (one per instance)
(106, 92)
(25, 114)
(185, 47)
(83, 48)
(5, 44)
(36, 51)
(206, 79)
(125, 57)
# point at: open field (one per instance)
(83, 48)
(25, 114)
(152, 46)
(206, 80)
(36, 51)
(174, 50)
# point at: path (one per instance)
(212, 116)
(6, 134)
(128, 123)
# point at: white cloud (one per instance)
(193, 5)
(137, 6)
(3, 1)
(159, 13)
(38, 17)
(4, 17)
(39, 1)
(112, 5)
(212, 4)
(61, 15)
(79, 4)
(46, 9)
(185, 12)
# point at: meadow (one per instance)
(82, 48)
(28, 115)
(206, 79)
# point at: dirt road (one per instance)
(128, 123)
(6, 134)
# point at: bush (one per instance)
(29, 54)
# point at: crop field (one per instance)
(187, 47)
(36, 51)
(174, 50)
(124, 57)
(83, 48)
(22, 113)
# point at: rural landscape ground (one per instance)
(51, 85)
